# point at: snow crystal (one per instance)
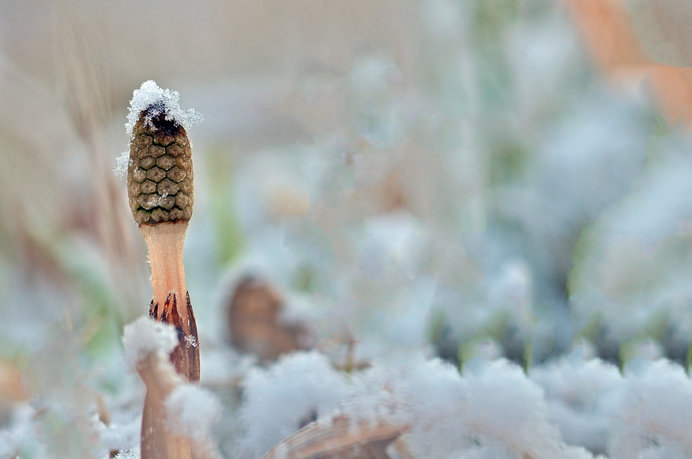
(298, 389)
(652, 418)
(501, 404)
(192, 411)
(164, 101)
(20, 431)
(190, 341)
(492, 412)
(145, 335)
(223, 366)
(578, 394)
(121, 164)
(118, 437)
(129, 454)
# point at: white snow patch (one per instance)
(652, 417)
(164, 101)
(492, 412)
(122, 162)
(279, 400)
(192, 411)
(190, 341)
(579, 394)
(129, 454)
(223, 366)
(145, 335)
(118, 436)
(495, 411)
(20, 431)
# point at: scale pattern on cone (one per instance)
(159, 174)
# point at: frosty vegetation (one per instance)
(480, 243)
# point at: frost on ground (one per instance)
(119, 437)
(281, 399)
(159, 101)
(633, 266)
(571, 408)
(579, 393)
(651, 417)
(493, 412)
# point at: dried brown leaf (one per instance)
(341, 438)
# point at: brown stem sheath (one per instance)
(157, 442)
(171, 303)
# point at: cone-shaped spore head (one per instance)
(159, 174)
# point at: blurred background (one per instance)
(465, 179)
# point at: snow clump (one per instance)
(145, 335)
(298, 389)
(494, 411)
(122, 162)
(579, 394)
(192, 411)
(651, 418)
(163, 101)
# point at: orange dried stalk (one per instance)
(612, 42)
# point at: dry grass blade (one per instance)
(341, 438)
(613, 44)
(607, 32)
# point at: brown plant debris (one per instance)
(341, 438)
(256, 325)
(185, 356)
(156, 439)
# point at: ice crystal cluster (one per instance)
(158, 102)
